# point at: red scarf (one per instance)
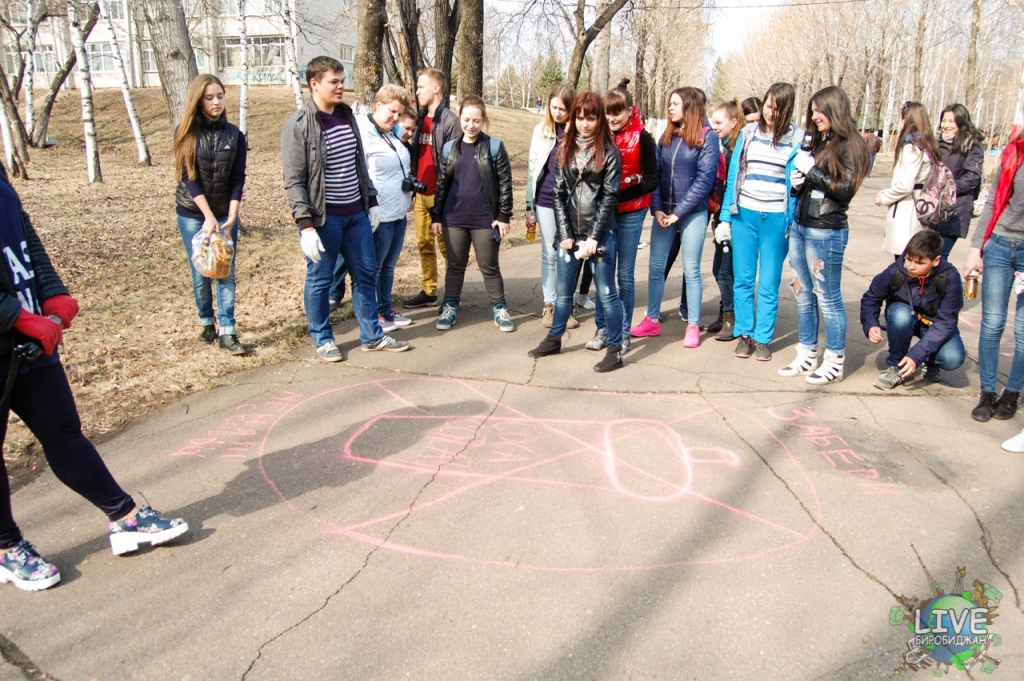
(1013, 158)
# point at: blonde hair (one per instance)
(187, 136)
(389, 92)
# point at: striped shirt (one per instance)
(341, 179)
(764, 186)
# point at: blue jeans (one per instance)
(387, 244)
(691, 229)
(1002, 257)
(947, 246)
(901, 327)
(202, 286)
(548, 253)
(631, 226)
(816, 256)
(604, 281)
(352, 236)
(338, 281)
(758, 253)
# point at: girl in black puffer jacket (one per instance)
(586, 196)
(961, 147)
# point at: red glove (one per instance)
(63, 306)
(44, 330)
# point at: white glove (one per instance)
(374, 217)
(311, 244)
(723, 232)
(803, 161)
(796, 178)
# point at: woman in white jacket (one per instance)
(387, 160)
(540, 201)
(914, 157)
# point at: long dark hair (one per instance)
(783, 97)
(968, 135)
(917, 130)
(751, 105)
(691, 128)
(833, 103)
(586, 105)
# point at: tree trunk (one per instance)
(446, 25)
(19, 136)
(92, 154)
(390, 63)
(971, 95)
(15, 167)
(291, 53)
(126, 91)
(40, 129)
(175, 60)
(470, 49)
(640, 87)
(922, 25)
(602, 54)
(585, 36)
(243, 95)
(409, 41)
(30, 70)
(369, 55)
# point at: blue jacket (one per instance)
(687, 176)
(738, 170)
(941, 310)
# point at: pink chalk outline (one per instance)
(675, 492)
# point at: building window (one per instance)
(101, 57)
(263, 51)
(45, 59)
(148, 57)
(225, 8)
(271, 7)
(116, 9)
(348, 53)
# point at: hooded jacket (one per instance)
(941, 309)
(738, 171)
(639, 157)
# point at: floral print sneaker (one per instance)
(145, 527)
(21, 565)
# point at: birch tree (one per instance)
(126, 91)
(15, 166)
(243, 97)
(30, 69)
(290, 50)
(41, 127)
(92, 154)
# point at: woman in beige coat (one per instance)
(914, 157)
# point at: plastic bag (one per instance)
(212, 255)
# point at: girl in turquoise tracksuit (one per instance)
(757, 211)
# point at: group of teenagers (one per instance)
(769, 188)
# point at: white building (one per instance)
(326, 27)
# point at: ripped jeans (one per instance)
(816, 258)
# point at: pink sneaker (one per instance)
(692, 337)
(646, 329)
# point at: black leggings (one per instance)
(43, 400)
(457, 241)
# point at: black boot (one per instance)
(1006, 406)
(209, 334)
(728, 320)
(983, 412)
(230, 343)
(611, 361)
(551, 345)
(715, 326)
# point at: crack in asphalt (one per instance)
(14, 656)
(986, 535)
(392, 530)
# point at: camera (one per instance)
(411, 184)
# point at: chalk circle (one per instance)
(598, 495)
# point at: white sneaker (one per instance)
(386, 325)
(830, 371)
(805, 362)
(583, 301)
(1015, 444)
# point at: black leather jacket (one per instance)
(823, 203)
(585, 200)
(48, 283)
(495, 176)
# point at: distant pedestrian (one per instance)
(912, 161)
(210, 154)
(473, 207)
(874, 143)
(825, 179)
(963, 151)
(334, 205)
(35, 306)
(997, 253)
(540, 104)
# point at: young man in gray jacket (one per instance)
(334, 204)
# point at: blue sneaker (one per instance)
(447, 318)
(21, 565)
(145, 527)
(502, 319)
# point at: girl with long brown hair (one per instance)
(826, 177)
(688, 163)
(587, 181)
(210, 155)
(915, 154)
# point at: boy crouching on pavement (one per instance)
(923, 297)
